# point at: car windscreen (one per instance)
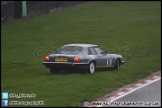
(69, 50)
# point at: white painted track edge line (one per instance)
(132, 91)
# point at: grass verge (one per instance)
(129, 28)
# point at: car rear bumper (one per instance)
(65, 65)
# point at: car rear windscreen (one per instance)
(69, 50)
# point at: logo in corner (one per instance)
(4, 102)
(5, 95)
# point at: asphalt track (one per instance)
(144, 93)
(147, 96)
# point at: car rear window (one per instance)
(69, 50)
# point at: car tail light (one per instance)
(46, 59)
(76, 59)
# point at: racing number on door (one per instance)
(109, 62)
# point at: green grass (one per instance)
(132, 29)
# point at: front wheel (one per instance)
(116, 66)
(91, 67)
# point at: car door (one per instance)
(101, 57)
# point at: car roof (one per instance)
(82, 45)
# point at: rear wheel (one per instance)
(116, 66)
(91, 67)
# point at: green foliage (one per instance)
(128, 28)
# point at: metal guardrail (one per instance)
(14, 9)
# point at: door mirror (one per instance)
(106, 52)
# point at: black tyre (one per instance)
(117, 64)
(91, 67)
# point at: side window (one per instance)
(98, 50)
(91, 51)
